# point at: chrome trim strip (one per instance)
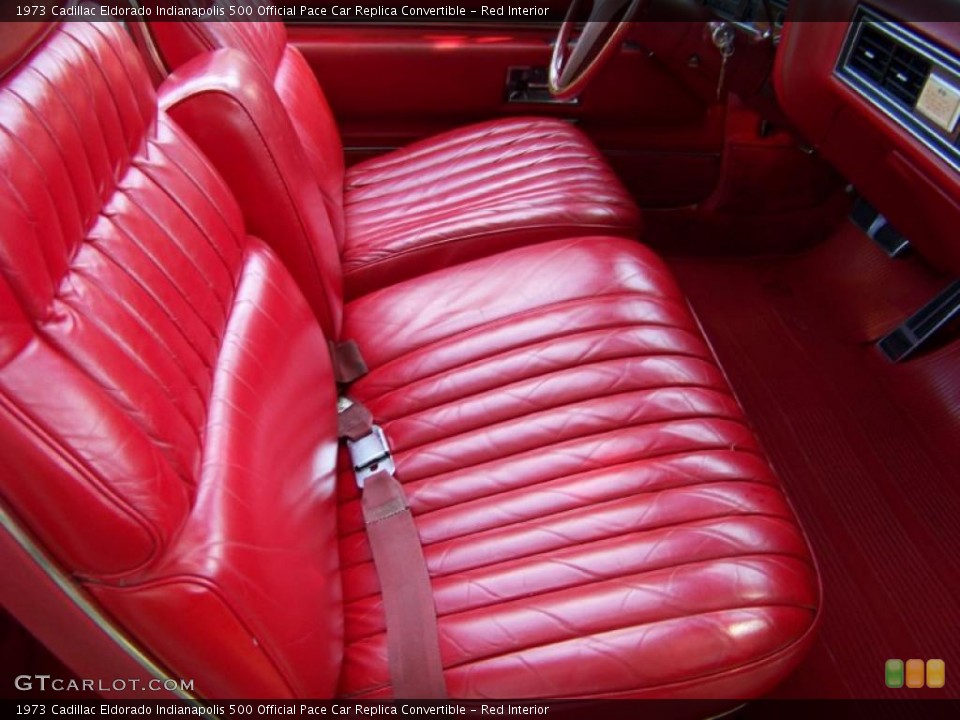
(751, 29)
(910, 39)
(64, 582)
(943, 146)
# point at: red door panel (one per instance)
(390, 85)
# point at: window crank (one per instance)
(723, 36)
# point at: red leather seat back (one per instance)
(293, 80)
(64, 146)
(226, 104)
(167, 429)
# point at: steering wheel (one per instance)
(572, 68)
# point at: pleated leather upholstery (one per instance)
(597, 515)
(229, 108)
(302, 97)
(475, 191)
(167, 426)
(450, 198)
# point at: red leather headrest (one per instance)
(17, 41)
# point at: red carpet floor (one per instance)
(869, 452)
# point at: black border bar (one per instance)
(911, 709)
(415, 11)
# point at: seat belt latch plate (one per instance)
(370, 454)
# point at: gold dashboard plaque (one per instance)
(940, 103)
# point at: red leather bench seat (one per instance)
(461, 195)
(598, 518)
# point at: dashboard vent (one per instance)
(889, 64)
(894, 68)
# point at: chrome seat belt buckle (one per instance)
(370, 454)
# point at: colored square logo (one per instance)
(936, 673)
(915, 673)
(894, 673)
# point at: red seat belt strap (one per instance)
(413, 645)
(348, 362)
(353, 420)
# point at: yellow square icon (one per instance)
(936, 673)
(915, 673)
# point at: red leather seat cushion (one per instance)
(597, 515)
(474, 191)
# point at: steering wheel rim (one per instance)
(571, 69)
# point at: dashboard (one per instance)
(875, 88)
(906, 77)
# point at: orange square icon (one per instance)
(915, 673)
(936, 673)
